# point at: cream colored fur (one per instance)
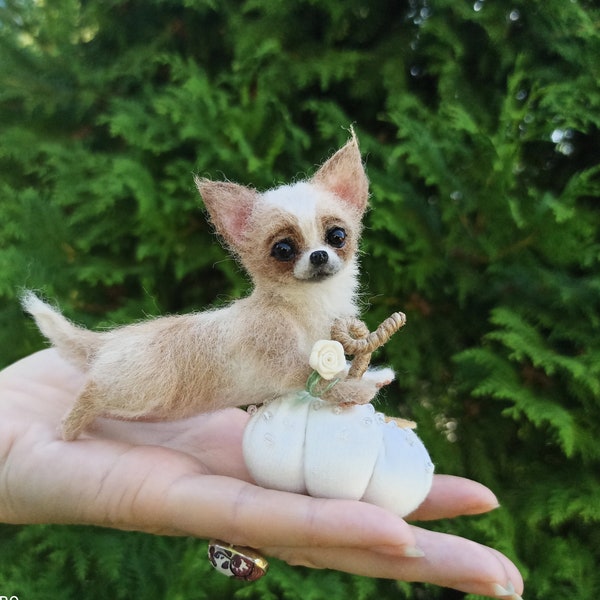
(253, 350)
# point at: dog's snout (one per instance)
(319, 257)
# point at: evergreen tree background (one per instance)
(480, 125)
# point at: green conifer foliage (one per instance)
(480, 124)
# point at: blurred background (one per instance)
(479, 123)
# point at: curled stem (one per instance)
(357, 341)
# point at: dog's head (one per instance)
(303, 232)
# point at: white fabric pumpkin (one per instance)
(298, 443)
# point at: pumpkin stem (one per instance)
(356, 339)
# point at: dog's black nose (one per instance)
(319, 257)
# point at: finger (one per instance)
(216, 440)
(449, 561)
(247, 515)
(463, 564)
(513, 574)
(452, 496)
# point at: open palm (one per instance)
(188, 478)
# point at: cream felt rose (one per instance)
(327, 358)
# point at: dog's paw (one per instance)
(379, 377)
(351, 391)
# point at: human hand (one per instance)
(188, 478)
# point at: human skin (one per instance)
(188, 477)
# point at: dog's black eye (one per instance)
(336, 237)
(283, 250)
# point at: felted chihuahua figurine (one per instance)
(299, 244)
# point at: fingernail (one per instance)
(413, 552)
(483, 508)
(403, 551)
(506, 592)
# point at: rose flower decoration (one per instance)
(327, 358)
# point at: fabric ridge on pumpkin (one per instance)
(299, 443)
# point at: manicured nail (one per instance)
(402, 551)
(413, 552)
(483, 508)
(506, 592)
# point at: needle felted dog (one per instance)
(299, 245)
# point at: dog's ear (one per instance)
(344, 175)
(229, 206)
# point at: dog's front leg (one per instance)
(352, 391)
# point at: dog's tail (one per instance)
(75, 344)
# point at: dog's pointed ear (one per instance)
(229, 206)
(344, 175)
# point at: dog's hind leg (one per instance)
(81, 415)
